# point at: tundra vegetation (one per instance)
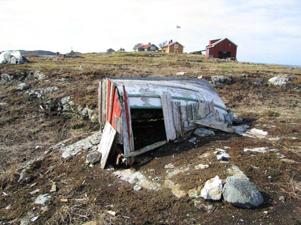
(49, 106)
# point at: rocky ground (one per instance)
(48, 109)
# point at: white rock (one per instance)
(222, 155)
(260, 149)
(42, 199)
(255, 133)
(180, 73)
(39, 75)
(111, 212)
(169, 166)
(212, 189)
(137, 178)
(22, 86)
(201, 166)
(82, 145)
(279, 80)
(12, 57)
(137, 187)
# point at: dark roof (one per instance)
(170, 44)
(219, 41)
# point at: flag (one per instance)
(178, 27)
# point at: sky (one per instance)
(266, 31)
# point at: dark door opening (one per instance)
(224, 55)
(148, 127)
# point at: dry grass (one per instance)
(8, 175)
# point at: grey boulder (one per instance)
(241, 193)
(5, 78)
(221, 80)
(22, 86)
(93, 157)
(12, 57)
(279, 80)
(203, 132)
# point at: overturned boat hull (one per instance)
(171, 107)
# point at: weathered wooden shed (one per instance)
(173, 47)
(222, 49)
(145, 114)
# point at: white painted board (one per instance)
(106, 142)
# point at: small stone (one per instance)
(39, 75)
(34, 218)
(24, 176)
(63, 200)
(203, 132)
(202, 206)
(201, 166)
(192, 140)
(42, 199)
(111, 212)
(195, 192)
(45, 208)
(169, 166)
(93, 157)
(182, 73)
(22, 86)
(282, 198)
(221, 80)
(255, 133)
(53, 187)
(6, 77)
(222, 155)
(34, 191)
(212, 189)
(137, 187)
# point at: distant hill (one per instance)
(37, 53)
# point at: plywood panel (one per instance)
(177, 118)
(168, 116)
(106, 142)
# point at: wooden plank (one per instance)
(111, 102)
(177, 118)
(104, 102)
(99, 106)
(189, 112)
(202, 110)
(209, 122)
(128, 120)
(168, 116)
(125, 134)
(105, 145)
(184, 119)
(146, 149)
(195, 109)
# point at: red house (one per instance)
(222, 49)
